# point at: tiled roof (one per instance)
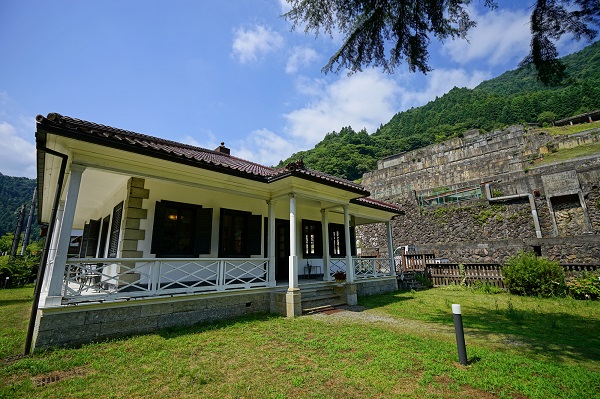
(373, 203)
(187, 154)
(178, 152)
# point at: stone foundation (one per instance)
(81, 324)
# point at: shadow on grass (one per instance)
(8, 302)
(174, 332)
(378, 301)
(558, 335)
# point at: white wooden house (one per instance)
(174, 234)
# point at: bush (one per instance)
(585, 286)
(528, 274)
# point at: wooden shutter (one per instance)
(92, 242)
(115, 231)
(157, 229)
(104, 236)
(254, 234)
(318, 239)
(202, 244)
(84, 240)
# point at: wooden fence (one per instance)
(442, 274)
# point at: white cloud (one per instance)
(501, 37)
(264, 147)
(362, 100)
(17, 156)
(249, 44)
(439, 82)
(209, 141)
(301, 56)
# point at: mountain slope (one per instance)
(513, 97)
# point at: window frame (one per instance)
(250, 234)
(200, 230)
(312, 228)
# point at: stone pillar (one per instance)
(57, 274)
(133, 213)
(271, 244)
(325, 228)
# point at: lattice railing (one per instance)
(337, 265)
(110, 279)
(363, 267)
(371, 267)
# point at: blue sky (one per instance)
(203, 72)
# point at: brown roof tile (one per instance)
(201, 157)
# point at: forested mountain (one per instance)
(513, 97)
(14, 192)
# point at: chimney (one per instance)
(222, 149)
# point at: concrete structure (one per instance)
(553, 209)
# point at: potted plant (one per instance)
(339, 276)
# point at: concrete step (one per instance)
(319, 309)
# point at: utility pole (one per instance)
(29, 222)
(17, 238)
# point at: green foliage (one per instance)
(14, 192)
(6, 242)
(528, 274)
(585, 286)
(21, 269)
(514, 97)
(546, 118)
(424, 280)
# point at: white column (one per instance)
(60, 259)
(271, 244)
(52, 252)
(325, 236)
(293, 271)
(391, 248)
(349, 265)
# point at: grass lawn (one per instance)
(395, 345)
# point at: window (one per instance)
(337, 240)
(104, 236)
(240, 234)
(181, 230)
(89, 239)
(312, 239)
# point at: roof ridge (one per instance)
(63, 118)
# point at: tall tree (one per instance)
(386, 33)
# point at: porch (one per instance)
(107, 279)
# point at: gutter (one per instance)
(44, 259)
(536, 220)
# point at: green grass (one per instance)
(571, 153)
(15, 306)
(401, 345)
(568, 129)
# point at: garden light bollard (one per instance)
(6, 281)
(460, 334)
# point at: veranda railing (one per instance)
(111, 279)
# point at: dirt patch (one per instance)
(55, 376)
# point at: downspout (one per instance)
(536, 221)
(44, 259)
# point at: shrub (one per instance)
(585, 286)
(528, 274)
